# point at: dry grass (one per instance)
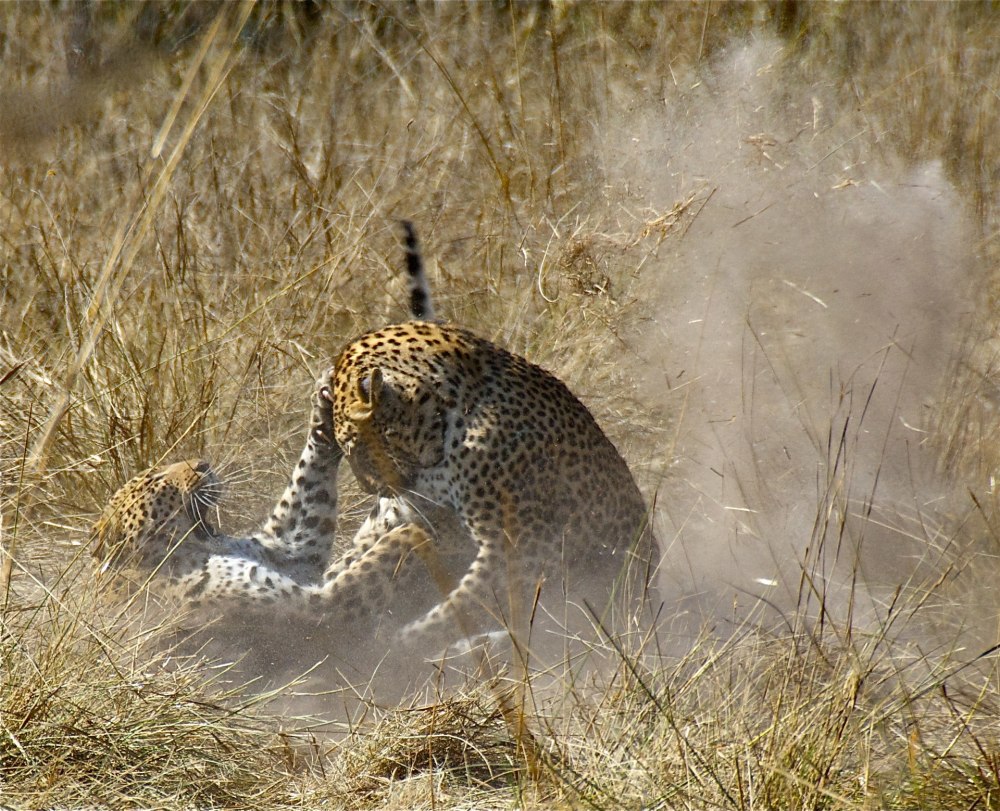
(99, 718)
(198, 211)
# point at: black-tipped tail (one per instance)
(421, 306)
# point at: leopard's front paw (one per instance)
(321, 419)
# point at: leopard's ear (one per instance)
(107, 533)
(368, 393)
(103, 534)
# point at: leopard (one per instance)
(157, 530)
(153, 512)
(160, 519)
(432, 415)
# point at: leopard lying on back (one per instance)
(156, 528)
(447, 429)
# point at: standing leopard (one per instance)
(438, 418)
(434, 415)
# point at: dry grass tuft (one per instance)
(461, 739)
(98, 714)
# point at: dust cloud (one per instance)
(805, 326)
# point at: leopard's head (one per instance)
(152, 513)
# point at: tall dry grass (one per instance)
(199, 208)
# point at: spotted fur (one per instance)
(154, 513)
(154, 528)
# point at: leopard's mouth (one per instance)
(378, 482)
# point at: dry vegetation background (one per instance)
(759, 241)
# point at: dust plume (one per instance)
(805, 326)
